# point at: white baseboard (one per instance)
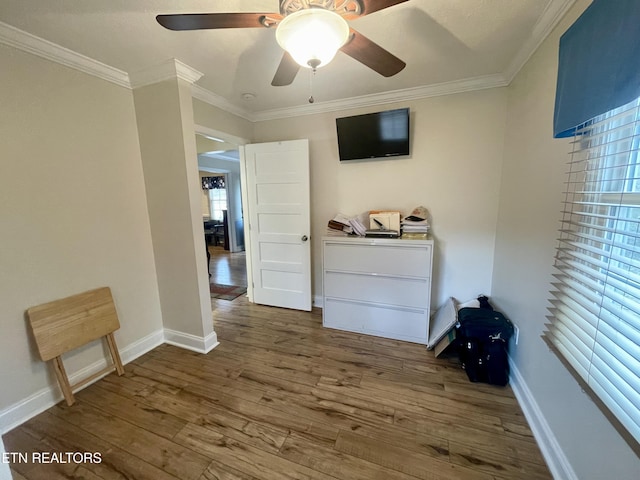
(210, 342)
(191, 342)
(557, 462)
(40, 401)
(45, 398)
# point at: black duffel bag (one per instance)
(483, 336)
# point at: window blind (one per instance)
(595, 305)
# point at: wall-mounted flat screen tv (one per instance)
(374, 135)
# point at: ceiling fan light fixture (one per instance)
(312, 36)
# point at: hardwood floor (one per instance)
(227, 268)
(283, 398)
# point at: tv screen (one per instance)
(374, 135)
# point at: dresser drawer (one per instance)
(383, 259)
(378, 287)
(397, 323)
(403, 291)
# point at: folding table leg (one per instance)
(115, 355)
(63, 380)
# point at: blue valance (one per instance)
(599, 65)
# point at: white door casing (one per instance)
(278, 206)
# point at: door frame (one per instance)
(240, 142)
(245, 213)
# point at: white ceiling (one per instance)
(448, 45)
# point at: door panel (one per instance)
(279, 223)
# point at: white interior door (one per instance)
(279, 223)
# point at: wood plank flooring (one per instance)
(282, 398)
(227, 268)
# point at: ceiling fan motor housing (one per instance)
(312, 36)
(342, 7)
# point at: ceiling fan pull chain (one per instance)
(311, 75)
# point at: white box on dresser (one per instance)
(377, 286)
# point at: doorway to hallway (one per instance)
(227, 268)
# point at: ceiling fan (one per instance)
(310, 32)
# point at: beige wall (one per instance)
(454, 171)
(530, 196)
(206, 115)
(73, 213)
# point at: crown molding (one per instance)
(169, 69)
(553, 13)
(207, 96)
(440, 89)
(21, 40)
(16, 38)
(174, 68)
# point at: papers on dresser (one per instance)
(342, 225)
(417, 226)
(358, 223)
(339, 226)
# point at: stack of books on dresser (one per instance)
(416, 225)
(415, 229)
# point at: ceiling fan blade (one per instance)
(200, 21)
(370, 6)
(287, 71)
(372, 55)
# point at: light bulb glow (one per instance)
(312, 36)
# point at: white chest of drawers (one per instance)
(378, 287)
